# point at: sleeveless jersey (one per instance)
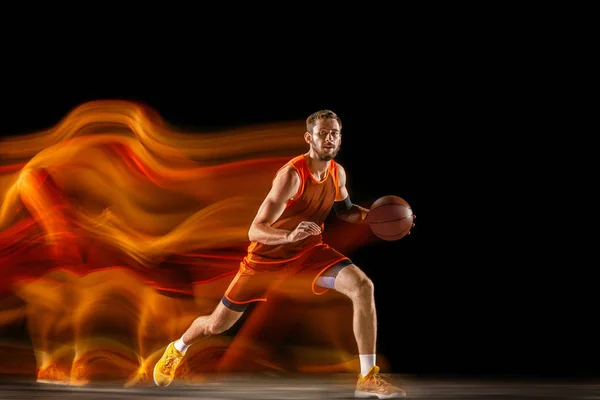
(313, 202)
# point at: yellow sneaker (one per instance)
(164, 370)
(373, 385)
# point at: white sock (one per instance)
(181, 346)
(367, 361)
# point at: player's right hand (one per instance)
(304, 230)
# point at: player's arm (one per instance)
(343, 206)
(284, 188)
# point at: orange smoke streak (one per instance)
(110, 213)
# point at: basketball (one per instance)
(390, 218)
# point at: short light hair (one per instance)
(322, 114)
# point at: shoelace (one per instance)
(378, 380)
(170, 363)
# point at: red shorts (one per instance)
(252, 281)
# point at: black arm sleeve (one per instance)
(341, 207)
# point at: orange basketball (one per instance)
(390, 217)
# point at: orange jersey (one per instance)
(313, 202)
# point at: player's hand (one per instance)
(413, 225)
(304, 230)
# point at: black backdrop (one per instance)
(465, 294)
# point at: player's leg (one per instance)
(354, 283)
(220, 320)
(246, 287)
(351, 281)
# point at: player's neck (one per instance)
(317, 167)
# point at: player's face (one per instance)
(326, 139)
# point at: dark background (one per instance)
(476, 289)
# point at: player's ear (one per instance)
(307, 137)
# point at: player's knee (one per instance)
(366, 287)
(363, 288)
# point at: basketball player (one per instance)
(286, 241)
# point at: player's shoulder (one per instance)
(297, 161)
(289, 174)
(340, 168)
(294, 167)
(340, 173)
